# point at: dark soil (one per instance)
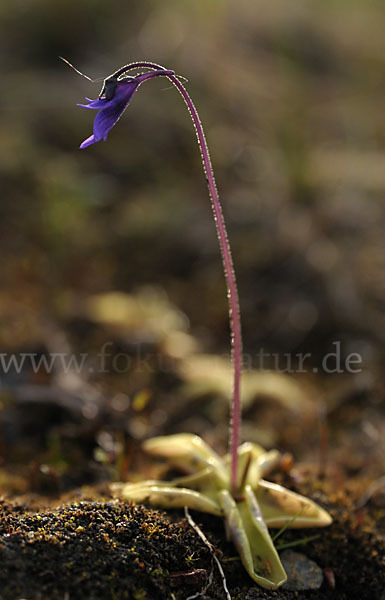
(113, 550)
(96, 550)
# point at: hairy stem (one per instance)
(232, 292)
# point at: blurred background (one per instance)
(116, 244)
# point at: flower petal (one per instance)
(106, 119)
(110, 111)
(95, 104)
(88, 142)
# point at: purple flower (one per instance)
(114, 98)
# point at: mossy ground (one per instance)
(115, 550)
(95, 550)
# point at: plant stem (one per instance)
(232, 291)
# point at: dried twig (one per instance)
(204, 539)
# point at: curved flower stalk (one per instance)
(258, 504)
(116, 93)
(232, 487)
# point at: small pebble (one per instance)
(302, 573)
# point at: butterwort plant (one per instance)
(232, 486)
